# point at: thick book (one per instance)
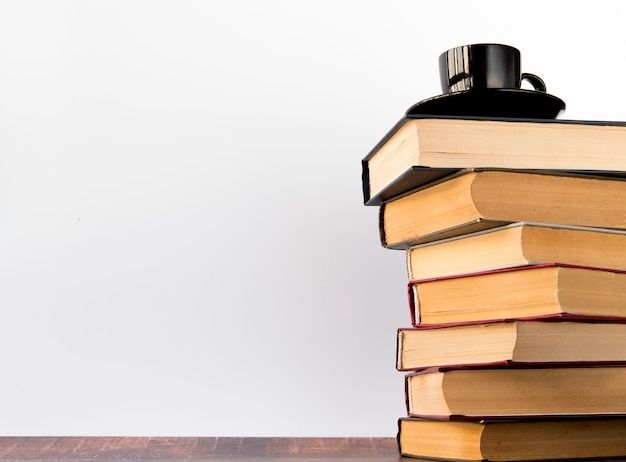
(518, 244)
(417, 151)
(478, 200)
(516, 392)
(487, 440)
(511, 343)
(547, 290)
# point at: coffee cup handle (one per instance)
(535, 81)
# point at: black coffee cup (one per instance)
(484, 66)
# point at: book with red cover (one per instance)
(542, 291)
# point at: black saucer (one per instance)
(501, 102)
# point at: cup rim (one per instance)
(478, 45)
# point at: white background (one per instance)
(183, 245)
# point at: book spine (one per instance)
(365, 180)
(381, 226)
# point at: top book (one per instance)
(417, 151)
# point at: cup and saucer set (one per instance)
(484, 80)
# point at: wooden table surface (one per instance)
(196, 449)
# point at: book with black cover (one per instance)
(421, 149)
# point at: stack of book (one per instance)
(515, 237)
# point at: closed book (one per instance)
(518, 244)
(417, 151)
(513, 343)
(486, 440)
(516, 392)
(547, 290)
(477, 200)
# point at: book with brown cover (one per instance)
(537, 291)
(533, 342)
(507, 441)
(478, 200)
(519, 244)
(516, 392)
(419, 150)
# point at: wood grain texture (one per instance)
(120, 449)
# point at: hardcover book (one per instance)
(478, 200)
(515, 392)
(549, 290)
(519, 244)
(419, 150)
(486, 440)
(515, 342)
